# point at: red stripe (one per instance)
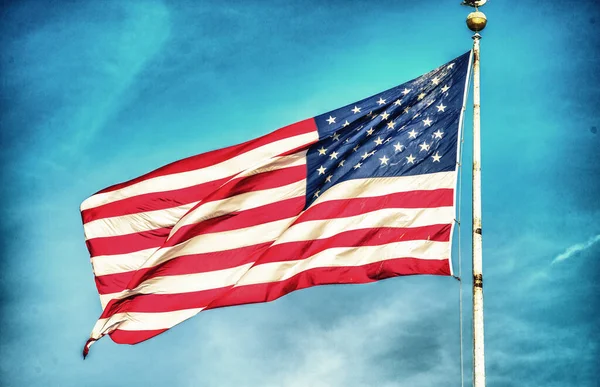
(133, 337)
(187, 264)
(112, 283)
(214, 190)
(152, 201)
(292, 251)
(123, 244)
(157, 303)
(376, 271)
(277, 253)
(201, 263)
(350, 207)
(214, 157)
(128, 243)
(336, 208)
(326, 210)
(249, 294)
(241, 219)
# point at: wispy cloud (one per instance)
(572, 250)
(78, 71)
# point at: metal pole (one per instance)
(476, 21)
(478, 348)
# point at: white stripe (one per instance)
(251, 199)
(214, 172)
(134, 223)
(222, 241)
(120, 263)
(378, 186)
(145, 221)
(346, 256)
(277, 271)
(183, 283)
(105, 298)
(388, 217)
(207, 243)
(313, 229)
(139, 321)
(301, 231)
(150, 220)
(305, 231)
(355, 188)
(196, 282)
(280, 232)
(269, 272)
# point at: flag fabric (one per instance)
(358, 194)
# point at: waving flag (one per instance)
(358, 194)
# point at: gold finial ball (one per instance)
(476, 21)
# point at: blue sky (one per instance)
(97, 92)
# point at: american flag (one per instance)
(355, 195)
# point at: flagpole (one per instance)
(476, 21)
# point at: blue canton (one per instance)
(411, 129)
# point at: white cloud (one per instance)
(385, 341)
(572, 250)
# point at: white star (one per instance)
(381, 101)
(412, 134)
(364, 156)
(317, 194)
(384, 160)
(322, 151)
(406, 91)
(379, 141)
(438, 134)
(435, 81)
(341, 164)
(370, 131)
(398, 147)
(329, 178)
(445, 88)
(321, 170)
(450, 66)
(398, 102)
(424, 147)
(436, 157)
(333, 155)
(416, 115)
(427, 121)
(410, 159)
(406, 109)
(384, 116)
(356, 110)
(357, 166)
(391, 124)
(346, 124)
(388, 140)
(331, 120)
(347, 140)
(421, 96)
(441, 107)
(355, 148)
(336, 137)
